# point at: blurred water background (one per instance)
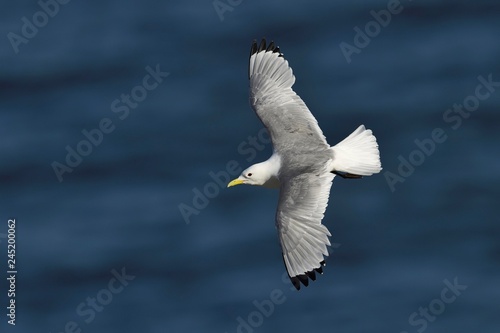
(118, 212)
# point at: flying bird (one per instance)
(302, 165)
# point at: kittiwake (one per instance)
(302, 165)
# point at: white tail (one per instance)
(357, 154)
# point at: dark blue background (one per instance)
(119, 208)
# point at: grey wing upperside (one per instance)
(281, 110)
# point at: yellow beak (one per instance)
(235, 182)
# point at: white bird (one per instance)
(302, 165)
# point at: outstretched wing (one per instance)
(280, 109)
(301, 207)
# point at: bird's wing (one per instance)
(280, 109)
(301, 207)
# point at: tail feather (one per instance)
(357, 154)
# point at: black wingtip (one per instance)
(270, 47)
(253, 50)
(304, 278)
(295, 282)
(262, 45)
(256, 48)
(311, 275)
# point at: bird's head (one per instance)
(257, 174)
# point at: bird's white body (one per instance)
(303, 164)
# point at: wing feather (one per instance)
(305, 182)
(301, 207)
(280, 109)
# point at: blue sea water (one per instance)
(105, 247)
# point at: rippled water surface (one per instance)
(102, 245)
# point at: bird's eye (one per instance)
(249, 174)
